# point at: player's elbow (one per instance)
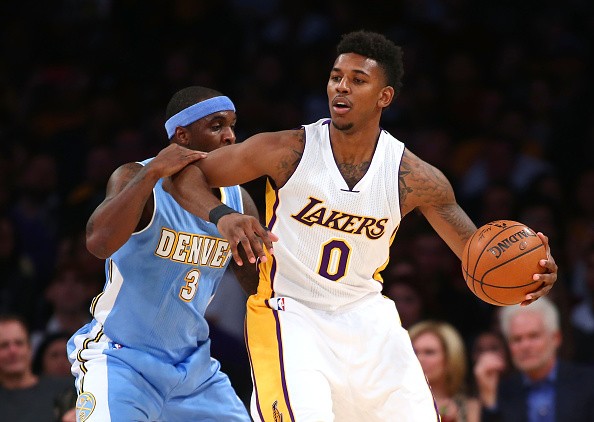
(97, 245)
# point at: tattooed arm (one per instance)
(128, 201)
(272, 154)
(425, 188)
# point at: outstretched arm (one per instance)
(424, 187)
(127, 198)
(190, 190)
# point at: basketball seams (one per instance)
(483, 246)
(506, 262)
(487, 243)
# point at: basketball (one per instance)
(499, 261)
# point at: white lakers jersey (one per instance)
(333, 240)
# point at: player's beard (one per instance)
(343, 128)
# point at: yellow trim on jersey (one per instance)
(377, 276)
(265, 282)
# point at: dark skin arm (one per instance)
(266, 154)
(425, 188)
(190, 190)
(128, 205)
(247, 275)
(128, 201)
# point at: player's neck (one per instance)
(354, 146)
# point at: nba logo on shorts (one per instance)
(276, 303)
(280, 304)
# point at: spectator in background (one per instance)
(500, 160)
(89, 191)
(68, 295)
(25, 396)
(497, 201)
(580, 228)
(489, 341)
(402, 286)
(582, 315)
(446, 294)
(50, 357)
(50, 360)
(442, 354)
(543, 388)
(16, 274)
(34, 214)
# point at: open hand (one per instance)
(246, 230)
(173, 158)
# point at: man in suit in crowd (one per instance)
(543, 388)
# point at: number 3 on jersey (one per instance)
(334, 260)
(188, 291)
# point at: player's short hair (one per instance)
(379, 48)
(187, 97)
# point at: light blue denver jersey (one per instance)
(159, 283)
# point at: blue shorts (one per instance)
(117, 383)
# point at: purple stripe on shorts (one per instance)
(282, 364)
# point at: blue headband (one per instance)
(196, 112)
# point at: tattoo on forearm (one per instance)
(457, 218)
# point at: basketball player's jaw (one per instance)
(340, 108)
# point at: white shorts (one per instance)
(351, 365)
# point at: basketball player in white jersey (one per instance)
(324, 344)
(145, 356)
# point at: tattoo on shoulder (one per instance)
(403, 175)
(420, 184)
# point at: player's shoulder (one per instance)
(126, 171)
(414, 163)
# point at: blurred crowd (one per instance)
(496, 94)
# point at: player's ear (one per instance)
(386, 97)
(182, 135)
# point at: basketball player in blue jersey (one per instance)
(145, 356)
(323, 342)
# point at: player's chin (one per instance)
(342, 126)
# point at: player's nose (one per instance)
(343, 85)
(228, 136)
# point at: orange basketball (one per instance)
(499, 261)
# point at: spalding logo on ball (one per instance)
(499, 261)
